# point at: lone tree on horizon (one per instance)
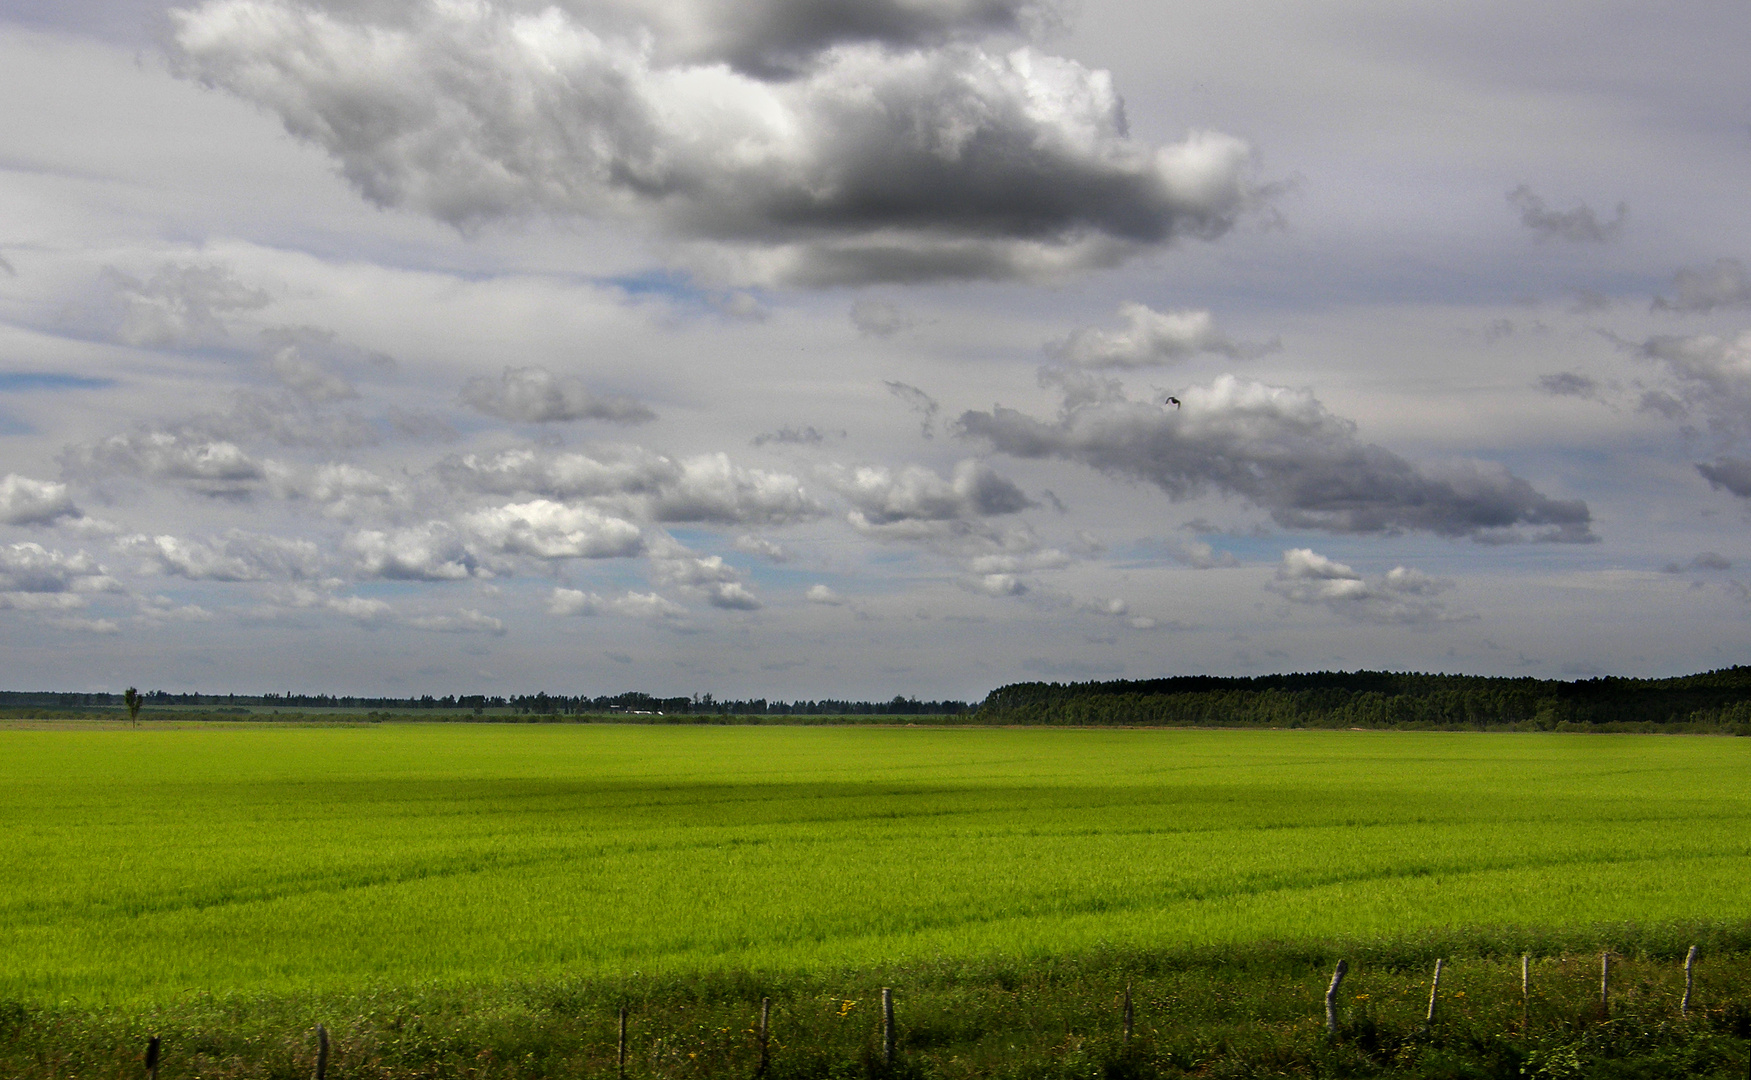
(132, 700)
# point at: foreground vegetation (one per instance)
(1252, 1011)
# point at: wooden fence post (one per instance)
(1331, 998)
(1434, 990)
(1605, 983)
(887, 1026)
(153, 1045)
(765, 1016)
(620, 1056)
(1127, 1012)
(321, 1052)
(1689, 972)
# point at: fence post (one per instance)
(1434, 990)
(1689, 966)
(620, 1056)
(887, 1026)
(321, 1052)
(765, 1015)
(153, 1045)
(1127, 1012)
(1331, 998)
(1605, 983)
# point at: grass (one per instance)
(136, 867)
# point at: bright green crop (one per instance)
(142, 864)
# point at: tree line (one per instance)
(537, 704)
(1712, 701)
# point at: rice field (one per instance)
(140, 865)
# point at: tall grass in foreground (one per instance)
(1255, 1011)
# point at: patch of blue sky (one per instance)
(20, 381)
(669, 284)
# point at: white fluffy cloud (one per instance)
(24, 501)
(35, 578)
(1281, 450)
(632, 605)
(882, 496)
(1151, 338)
(1403, 595)
(544, 529)
(433, 551)
(870, 162)
(214, 467)
(534, 395)
(709, 577)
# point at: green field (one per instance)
(138, 865)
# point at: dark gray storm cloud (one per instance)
(534, 395)
(877, 162)
(1281, 450)
(1723, 285)
(1569, 384)
(1580, 225)
(1729, 473)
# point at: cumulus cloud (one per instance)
(308, 361)
(545, 529)
(1281, 450)
(1201, 556)
(1580, 225)
(1723, 285)
(24, 501)
(178, 304)
(876, 318)
(821, 594)
(1729, 473)
(632, 605)
(1150, 339)
(766, 549)
(882, 496)
(342, 490)
(235, 556)
(872, 163)
(1712, 376)
(534, 395)
(434, 551)
(1403, 595)
(213, 467)
(35, 578)
(704, 488)
(719, 583)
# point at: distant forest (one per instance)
(1716, 701)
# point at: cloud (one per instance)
(1580, 225)
(1713, 376)
(1568, 384)
(534, 395)
(1403, 596)
(235, 556)
(465, 621)
(213, 467)
(35, 578)
(633, 605)
(875, 318)
(1201, 556)
(821, 594)
(766, 549)
(915, 493)
(433, 551)
(1281, 450)
(872, 163)
(24, 501)
(919, 402)
(1723, 285)
(178, 304)
(1729, 473)
(367, 612)
(704, 488)
(791, 436)
(1150, 339)
(342, 490)
(706, 576)
(545, 529)
(1708, 560)
(304, 360)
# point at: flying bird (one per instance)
(1172, 401)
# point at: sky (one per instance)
(853, 348)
